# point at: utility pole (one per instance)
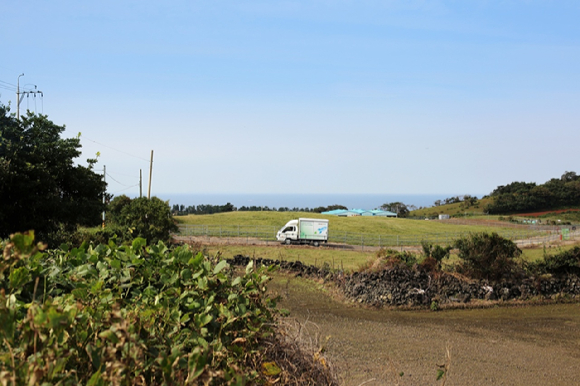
(20, 95)
(105, 193)
(150, 173)
(140, 183)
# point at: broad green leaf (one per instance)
(202, 319)
(19, 277)
(220, 266)
(186, 274)
(116, 264)
(96, 379)
(250, 267)
(196, 261)
(109, 335)
(23, 241)
(138, 244)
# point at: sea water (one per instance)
(351, 201)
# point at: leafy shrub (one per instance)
(74, 238)
(564, 262)
(388, 258)
(142, 217)
(133, 314)
(436, 252)
(487, 256)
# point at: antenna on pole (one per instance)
(140, 183)
(20, 96)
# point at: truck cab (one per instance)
(288, 233)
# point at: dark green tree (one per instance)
(396, 207)
(40, 186)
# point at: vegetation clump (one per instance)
(487, 256)
(150, 219)
(40, 186)
(562, 263)
(528, 197)
(133, 314)
(436, 253)
(386, 258)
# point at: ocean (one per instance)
(351, 201)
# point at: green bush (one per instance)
(487, 256)
(389, 257)
(126, 315)
(436, 252)
(561, 263)
(150, 219)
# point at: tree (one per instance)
(569, 176)
(143, 217)
(40, 187)
(396, 207)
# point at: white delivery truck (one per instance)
(304, 231)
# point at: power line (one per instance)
(7, 84)
(122, 190)
(112, 148)
(122, 174)
(120, 183)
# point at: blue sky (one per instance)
(410, 97)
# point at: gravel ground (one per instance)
(534, 345)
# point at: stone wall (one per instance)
(401, 286)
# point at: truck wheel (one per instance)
(288, 241)
(316, 243)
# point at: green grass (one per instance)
(349, 260)
(454, 209)
(534, 254)
(360, 224)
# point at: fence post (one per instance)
(379, 241)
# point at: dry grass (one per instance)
(298, 350)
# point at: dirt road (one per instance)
(535, 345)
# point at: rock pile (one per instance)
(401, 286)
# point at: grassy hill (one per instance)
(360, 224)
(453, 209)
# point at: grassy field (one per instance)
(361, 224)
(346, 259)
(454, 209)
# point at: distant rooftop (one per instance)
(360, 212)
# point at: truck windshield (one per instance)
(288, 229)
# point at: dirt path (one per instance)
(208, 240)
(536, 345)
